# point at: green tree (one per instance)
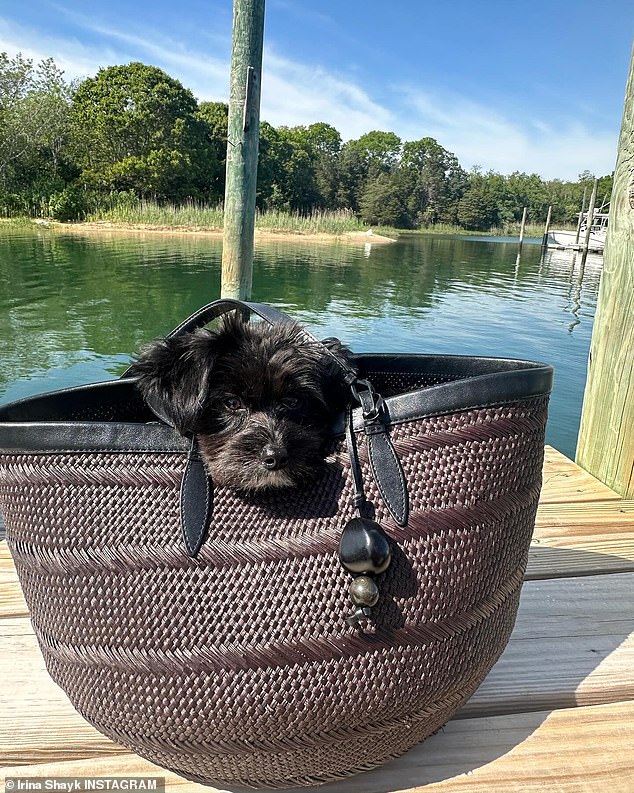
(528, 190)
(287, 173)
(34, 113)
(502, 198)
(437, 181)
(380, 150)
(384, 201)
(477, 209)
(274, 152)
(134, 127)
(324, 144)
(351, 173)
(215, 117)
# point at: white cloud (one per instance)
(76, 59)
(482, 135)
(198, 72)
(293, 93)
(79, 59)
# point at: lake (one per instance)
(74, 307)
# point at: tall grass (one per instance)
(513, 230)
(19, 221)
(319, 221)
(192, 214)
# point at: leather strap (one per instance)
(386, 468)
(196, 501)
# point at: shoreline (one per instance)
(261, 235)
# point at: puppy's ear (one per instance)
(340, 350)
(337, 392)
(174, 376)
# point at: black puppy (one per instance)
(260, 398)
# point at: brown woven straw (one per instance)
(238, 666)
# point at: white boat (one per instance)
(568, 239)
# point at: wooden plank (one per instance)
(11, 599)
(564, 481)
(593, 532)
(44, 726)
(584, 518)
(570, 647)
(582, 539)
(579, 538)
(567, 542)
(566, 562)
(578, 750)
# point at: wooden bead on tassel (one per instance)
(364, 547)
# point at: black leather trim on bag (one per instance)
(484, 382)
(54, 422)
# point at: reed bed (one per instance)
(200, 216)
(127, 209)
(189, 214)
(319, 221)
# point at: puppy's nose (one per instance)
(274, 457)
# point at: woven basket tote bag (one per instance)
(231, 652)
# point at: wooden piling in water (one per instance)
(547, 227)
(242, 148)
(522, 227)
(590, 216)
(605, 445)
(580, 220)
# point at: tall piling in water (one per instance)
(242, 148)
(580, 220)
(522, 228)
(547, 227)
(590, 217)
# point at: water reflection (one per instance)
(582, 272)
(73, 307)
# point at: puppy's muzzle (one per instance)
(273, 458)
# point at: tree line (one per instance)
(133, 132)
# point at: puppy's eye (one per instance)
(291, 402)
(233, 403)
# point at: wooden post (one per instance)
(522, 227)
(547, 228)
(242, 148)
(580, 221)
(606, 437)
(590, 216)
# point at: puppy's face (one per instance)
(261, 399)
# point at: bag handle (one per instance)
(206, 314)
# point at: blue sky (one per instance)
(531, 86)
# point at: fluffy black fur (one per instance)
(260, 398)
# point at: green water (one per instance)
(73, 308)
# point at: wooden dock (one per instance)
(555, 715)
